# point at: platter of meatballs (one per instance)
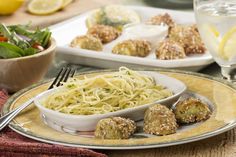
(115, 35)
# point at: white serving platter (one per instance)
(64, 33)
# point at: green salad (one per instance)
(19, 41)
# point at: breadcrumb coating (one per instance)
(159, 120)
(87, 42)
(191, 110)
(140, 48)
(115, 128)
(104, 32)
(188, 37)
(169, 50)
(162, 19)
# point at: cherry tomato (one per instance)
(37, 46)
(3, 39)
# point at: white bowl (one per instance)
(73, 123)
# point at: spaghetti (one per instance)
(105, 93)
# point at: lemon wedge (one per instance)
(227, 47)
(65, 3)
(9, 6)
(44, 7)
(113, 15)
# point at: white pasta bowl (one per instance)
(73, 123)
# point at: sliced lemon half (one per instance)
(44, 7)
(9, 6)
(113, 15)
(227, 47)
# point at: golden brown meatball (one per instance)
(189, 37)
(191, 110)
(159, 120)
(169, 49)
(87, 42)
(140, 48)
(115, 128)
(104, 32)
(162, 19)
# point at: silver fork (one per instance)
(62, 76)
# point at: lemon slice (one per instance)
(227, 47)
(210, 36)
(65, 3)
(9, 6)
(214, 30)
(44, 7)
(113, 15)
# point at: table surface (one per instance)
(218, 146)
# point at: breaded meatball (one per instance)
(140, 48)
(115, 128)
(169, 49)
(162, 19)
(159, 120)
(189, 37)
(191, 110)
(87, 42)
(104, 32)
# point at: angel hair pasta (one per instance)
(105, 93)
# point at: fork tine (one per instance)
(67, 75)
(73, 73)
(56, 79)
(62, 76)
(70, 73)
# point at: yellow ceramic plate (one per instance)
(220, 93)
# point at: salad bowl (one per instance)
(18, 73)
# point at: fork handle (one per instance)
(6, 119)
